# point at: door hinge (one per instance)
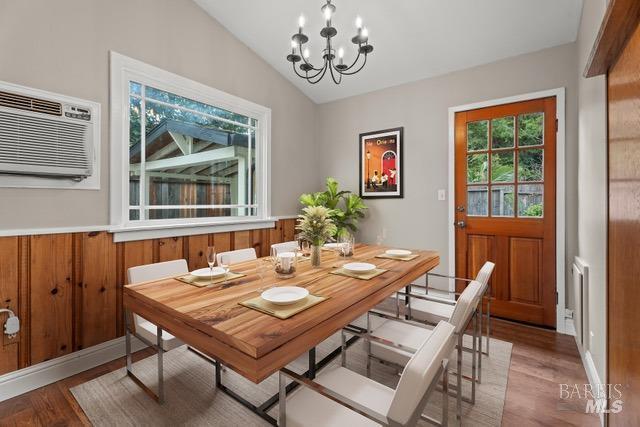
(556, 125)
(556, 297)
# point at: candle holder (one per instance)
(286, 264)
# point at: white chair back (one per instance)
(420, 373)
(160, 270)
(237, 256)
(465, 305)
(157, 271)
(285, 247)
(485, 274)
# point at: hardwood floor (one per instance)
(540, 361)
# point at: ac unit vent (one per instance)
(36, 105)
(39, 145)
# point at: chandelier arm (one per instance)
(319, 78)
(305, 59)
(321, 70)
(343, 72)
(354, 72)
(333, 77)
(296, 71)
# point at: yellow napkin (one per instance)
(282, 311)
(399, 258)
(361, 276)
(203, 281)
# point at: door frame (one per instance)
(559, 93)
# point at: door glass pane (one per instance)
(530, 200)
(477, 168)
(502, 166)
(477, 200)
(530, 165)
(135, 130)
(530, 129)
(502, 200)
(502, 132)
(478, 135)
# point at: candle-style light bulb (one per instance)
(306, 53)
(301, 21)
(358, 22)
(327, 13)
(293, 47)
(365, 33)
(340, 54)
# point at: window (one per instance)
(192, 154)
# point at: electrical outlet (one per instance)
(442, 195)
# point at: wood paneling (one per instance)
(288, 230)
(619, 23)
(97, 287)
(8, 299)
(196, 251)
(67, 288)
(525, 273)
(170, 249)
(51, 294)
(624, 231)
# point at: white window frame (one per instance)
(125, 70)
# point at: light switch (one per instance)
(442, 195)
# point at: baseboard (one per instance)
(21, 381)
(570, 327)
(592, 373)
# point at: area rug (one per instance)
(191, 398)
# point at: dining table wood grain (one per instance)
(255, 344)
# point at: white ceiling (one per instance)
(412, 39)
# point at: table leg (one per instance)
(311, 373)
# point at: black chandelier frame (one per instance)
(314, 74)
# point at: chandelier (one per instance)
(313, 74)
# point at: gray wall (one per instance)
(63, 46)
(592, 193)
(420, 220)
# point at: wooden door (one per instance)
(505, 191)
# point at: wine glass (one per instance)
(211, 260)
(345, 244)
(305, 247)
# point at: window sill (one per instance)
(142, 232)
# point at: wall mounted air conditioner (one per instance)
(47, 140)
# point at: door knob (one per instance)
(460, 224)
(460, 208)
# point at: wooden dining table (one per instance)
(255, 344)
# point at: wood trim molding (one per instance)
(620, 20)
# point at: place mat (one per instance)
(202, 282)
(362, 276)
(282, 311)
(398, 258)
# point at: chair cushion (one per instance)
(307, 408)
(147, 330)
(400, 333)
(430, 311)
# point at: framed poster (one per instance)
(380, 170)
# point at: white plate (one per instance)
(284, 295)
(205, 273)
(359, 267)
(398, 252)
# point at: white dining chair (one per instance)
(341, 397)
(152, 335)
(285, 247)
(408, 335)
(237, 256)
(432, 309)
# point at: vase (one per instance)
(315, 255)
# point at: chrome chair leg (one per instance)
(488, 323)
(367, 344)
(445, 394)
(282, 400)
(474, 354)
(480, 343)
(459, 381)
(160, 366)
(127, 334)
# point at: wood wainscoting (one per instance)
(67, 288)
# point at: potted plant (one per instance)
(316, 226)
(345, 208)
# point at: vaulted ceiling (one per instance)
(413, 39)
